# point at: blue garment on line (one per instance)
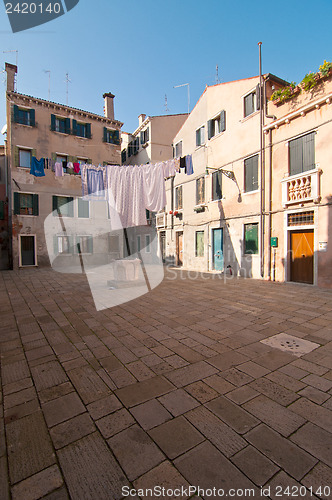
(37, 167)
(95, 182)
(189, 165)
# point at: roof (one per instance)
(64, 106)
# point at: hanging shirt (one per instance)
(77, 168)
(177, 164)
(93, 182)
(37, 167)
(58, 169)
(169, 168)
(183, 162)
(189, 165)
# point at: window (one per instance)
(83, 161)
(2, 210)
(251, 174)
(61, 158)
(251, 238)
(63, 205)
(216, 186)
(199, 244)
(178, 149)
(84, 244)
(147, 243)
(114, 245)
(217, 125)
(250, 104)
(63, 245)
(25, 158)
(302, 154)
(24, 116)
(111, 136)
(59, 124)
(144, 136)
(27, 250)
(133, 147)
(82, 129)
(123, 156)
(200, 136)
(301, 219)
(26, 204)
(138, 243)
(83, 208)
(200, 190)
(178, 198)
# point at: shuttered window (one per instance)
(178, 198)
(111, 136)
(144, 136)
(251, 174)
(84, 244)
(24, 116)
(25, 158)
(81, 129)
(178, 149)
(200, 136)
(249, 104)
(217, 125)
(199, 244)
(216, 186)
(200, 190)
(26, 204)
(251, 238)
(302, 154)
(63, 205)
(2, 210)
(83, 208)
(123, 156)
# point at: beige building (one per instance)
(298, 192)
(212, 220)
(152, 140)
(55, 132)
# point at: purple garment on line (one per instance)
(189, 165)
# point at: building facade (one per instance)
(299, 186)
(55, 132)
(213, 217)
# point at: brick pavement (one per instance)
(171, 389)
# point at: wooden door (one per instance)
(302, 256)
(179, 248)
(28, 257)
(163, 246)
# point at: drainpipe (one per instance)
(262, 173)
(269, 230)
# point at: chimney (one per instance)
(141, 119)
(109, 105)
(11, 71)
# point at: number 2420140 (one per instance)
(32, 8)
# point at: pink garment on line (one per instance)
(77, 167)
(58, 169)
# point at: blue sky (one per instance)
(140, 50)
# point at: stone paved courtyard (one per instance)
(172, 389)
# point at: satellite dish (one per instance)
(4, 129)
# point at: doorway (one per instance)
(163, 245)
(27, 255)
(179, 248)
(302, 256)
(218, 249)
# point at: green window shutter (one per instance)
(53, 156)
(74, 127)
(15, 113)
(210, 124)
(308, 152)
(2, 210)
(34, 152)
(67, 126)
(90, 244)
(16, 153)
(223, 121)
(35, 204)
(117, 137)
(251, 238)
(89, 161)
(54, 203)
(216, 186)
(71, 244)
(55, 245)
(70, 206)
(105, 135)
(258, 97)
(147, 134)
(83, 208)
(16, 203)
(32, 118)
(88, 130)
(53, 122)
(142, 137)
(198, 136)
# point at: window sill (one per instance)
(61, 133)
(255, 113)
(250, 192)
(216, 136)
(25, 124)
(199, 147)
(26, 215)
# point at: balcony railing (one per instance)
(161, 220)
(301, 188)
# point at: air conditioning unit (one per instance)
(160, 221)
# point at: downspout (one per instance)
(9, 157)
(262, 173)
(269, 230)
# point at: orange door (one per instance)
(179, 248)
(302, 256)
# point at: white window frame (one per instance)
(252, 91)
(28, 150)
(77, 240)
(202, 143)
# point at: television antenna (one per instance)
(49, 83)
(67, 81)
(165, 105)
(184, 85)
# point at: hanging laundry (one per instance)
(77, 168)
(169, 168)
(189, 165)
(183, 162)
(177, 164)
(37, 167)
(58, 169)
(93, 182)
(154, 187)
(125, 196)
